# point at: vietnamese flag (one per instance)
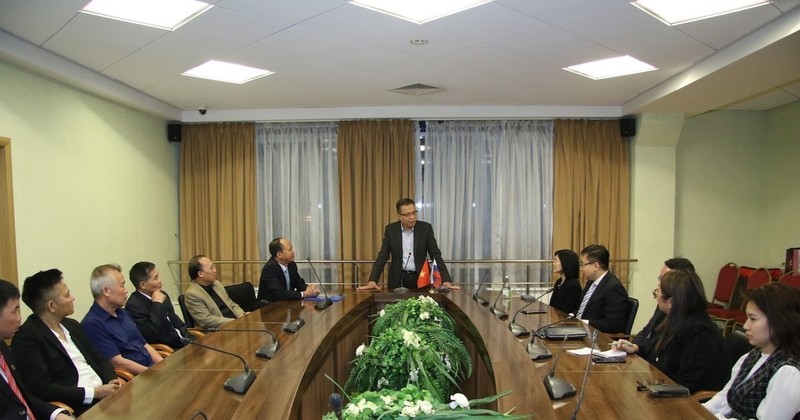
(424, 278)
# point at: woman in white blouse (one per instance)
(765, 383)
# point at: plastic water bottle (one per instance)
(506, 289)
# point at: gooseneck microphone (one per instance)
(558, 388)
(239, 383)
(585, 376)
(403, 289)
(482, 300)
(267, 350)
(323, 304)
(499, 313)
(517, 329)
(293, 326)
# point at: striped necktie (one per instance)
(586, 297)
(13, 385)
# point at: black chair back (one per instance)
(187, 317)
(737, 344)
(633, 308)
(244, 294)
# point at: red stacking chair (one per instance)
(726, 282)
(791, 279)
(757, 279)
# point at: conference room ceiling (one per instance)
(508, 53)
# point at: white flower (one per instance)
(371, 405)
(382, 381)
(413, 375)
(360, 350)
(410, 410)
(426, 407)
(459, 400)
(352, 409)
(447, 363)
(362, 404)
(411, 339)
(425, 315)
(387, 399)
(383, 312)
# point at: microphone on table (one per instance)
(499, 313)
(517, 329)
(292, 327)
(558, 388)
(239, 383)
(402, 289)
(266, 351)
(482, 300)
(323, 304)
(585, 376)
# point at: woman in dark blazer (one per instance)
(567, 289)
(690, 348)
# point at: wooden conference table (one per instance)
(293, 385)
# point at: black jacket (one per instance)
(424, 245)
(567, 295)
(157, 321)
(607, 309)
(11, 408)
(272, 284)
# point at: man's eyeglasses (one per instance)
(586, 263)
(656, 292)
(409, 214)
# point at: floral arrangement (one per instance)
(413, 402)
(414, 343)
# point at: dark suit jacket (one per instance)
(607, 309)
(424, 244)
(49, 371)
(10, 406)
(695, 355)
(647, 337)
(156, 321)
(272, 284)
(567, 295)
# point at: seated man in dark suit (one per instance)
(279, 277)
(110, 328)
(15, 400)
(151, 308)
(58, 360)
(604, 304)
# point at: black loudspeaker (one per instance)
(174, 132)
(627, 127)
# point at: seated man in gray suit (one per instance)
(206, 299)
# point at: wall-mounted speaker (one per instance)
(627, 127)
(173, 132)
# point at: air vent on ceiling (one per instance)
(417, 89)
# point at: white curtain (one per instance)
(298, 193)
(487, 188)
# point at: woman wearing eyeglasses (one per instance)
(690, 349)
(765, 383)
(567, 289)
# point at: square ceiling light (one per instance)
(226, 72)
(610, 67)
(169, 15)
(419, 11)
(676, 12)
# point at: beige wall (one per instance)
(94, 182)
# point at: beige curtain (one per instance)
(591, 200)
(376, 168)
(217, 198)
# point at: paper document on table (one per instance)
(586, 351)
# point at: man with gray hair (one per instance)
(110, 328)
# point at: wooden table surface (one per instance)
(292, 384)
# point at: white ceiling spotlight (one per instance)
(226, 72)
(419, 11)
(676, 12)
(610, 67)
(169, 15)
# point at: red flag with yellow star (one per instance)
(424, 278)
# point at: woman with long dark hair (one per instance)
(690, 349)
(567, 289)
(765, 383)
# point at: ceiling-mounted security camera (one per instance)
(202, 110)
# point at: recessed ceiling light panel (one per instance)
(226, 72)
(676, 12)
(419, 11)
(169, 15)
(610, 67)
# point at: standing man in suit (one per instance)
(604, 304)
(15, 400)
(206, 299)
(403, 239)
(151, 308)
(59, 361)
(110, 328)
(279, 277)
